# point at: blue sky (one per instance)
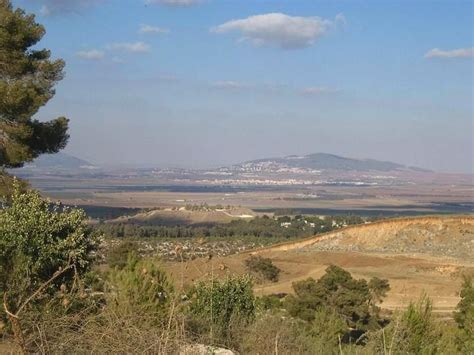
(200, 83)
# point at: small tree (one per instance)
(263, 267)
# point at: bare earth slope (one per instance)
(417, 255)
(437, 236)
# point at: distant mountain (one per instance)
(59, 161)
(321, 161)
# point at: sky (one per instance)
(201, 83)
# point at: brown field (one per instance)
(412, 270)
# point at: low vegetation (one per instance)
(67, 306)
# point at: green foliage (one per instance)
(259, 227)
(218, 308)
(268, 302)
(337, 291)
(465, 314)
(118, 256)
(28, 80)
(36, 240)
(6, 186)
(465, 307)
(328, 329)
(417, 328)
(263, 267)
(277, 334)
(412, 332)
(140, 287)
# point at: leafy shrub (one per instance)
(140, 287)
(118, 255)
(36, 240)
(220, 308)
(327, 330)
(263, 266)
(277, 334)
(268, 302)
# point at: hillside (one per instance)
(437, 236)
(183, 216)
(420, 255)
(321, 161)
(58, 161)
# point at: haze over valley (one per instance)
(202, 177)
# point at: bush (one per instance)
(141, 288)
(327, 330)
(220, 309)
(464, 316)
(37, 240)
(412, 332)
(118, 255)
(277, 334)
(268, 302)
(264, 267)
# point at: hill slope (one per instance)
(439, 236)
(58, 161)
(421, 255)
(183, 216)
(321, 161)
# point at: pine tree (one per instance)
(27, 80)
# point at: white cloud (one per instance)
(92, 54)
(228, 85)
(57, 7)
(134, 47)
(280, 30)
(318, 90)
(173, 2)
(454, 53)
(147, 29)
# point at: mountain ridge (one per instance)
(59, 161)
(326, 161)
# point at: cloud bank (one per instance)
(280, 30)
(449, 54)
(147, 29)
(134, 47)
(318, 90)
(228, 85)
